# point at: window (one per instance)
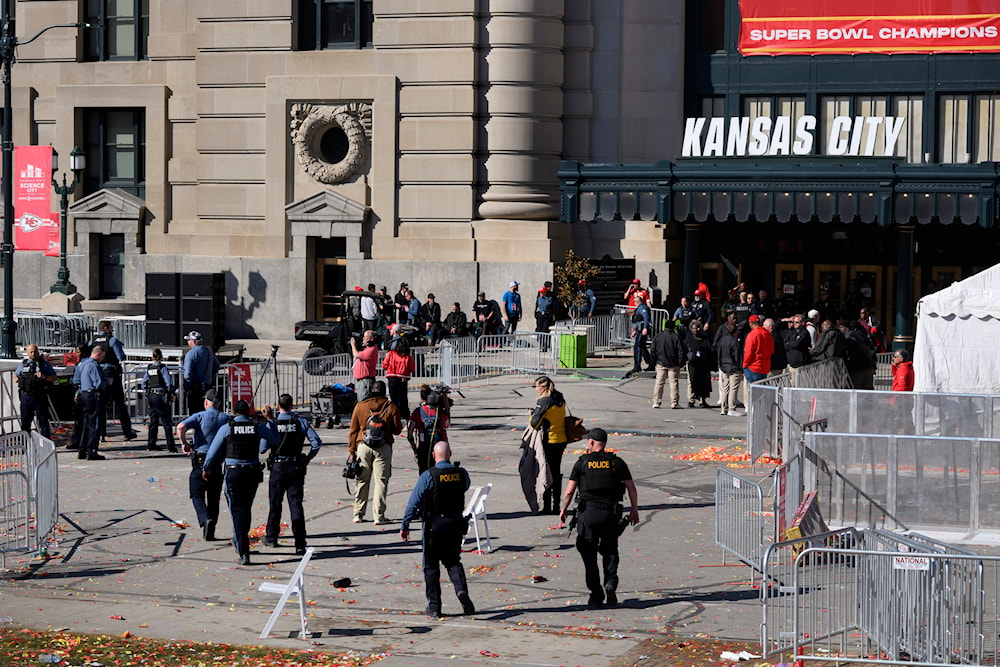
(774, 106)
(958, 114)
(115, 147)
(111, 274)
(909, 145)
(333, 24)
(119, 29)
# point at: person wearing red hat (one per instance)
(635, 295)
(545, 308)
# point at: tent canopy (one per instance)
(957, 347)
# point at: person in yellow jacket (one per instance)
(549, 416)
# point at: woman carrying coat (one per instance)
(549, 416)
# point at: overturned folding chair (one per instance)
(295, 586)
(476, 511)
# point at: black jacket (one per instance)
(668, 350)
(797, 346)
(729, 350)
(830, 344)
(779, 360)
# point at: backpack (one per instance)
(376, 430)
(430, 433)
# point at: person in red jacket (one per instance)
(757, 351)
(902, 371)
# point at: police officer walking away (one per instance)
(34, 375)
(603, 478)
(159, 390)
(91, 381)
(239, 442)
(200, 369)
(288, 473)
(440, 497)
(204, 493)
(114, 355)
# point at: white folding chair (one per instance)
(476, 510)
(295, 586)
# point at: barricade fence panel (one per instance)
(763, 435)
(912, 482)
(45, 486)
(28, 492)
(739, 517)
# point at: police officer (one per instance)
(34, 375)
(440, 494)
(204, 492)
(92, 382)
(159, 389)
(76, 438)
(112, 368)
(239, 442)
(602, 478)
(288, 472)
(200, 368)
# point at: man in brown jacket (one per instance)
(373, 424)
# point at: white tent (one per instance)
(957, 348)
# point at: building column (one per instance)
(692, 246)
(524, 65)
(904, 287)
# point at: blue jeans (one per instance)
(751, 376)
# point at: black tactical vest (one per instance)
(447, 496)
(293, 436)
(103, 339)
(599, 479)
(154, 373)
(243, 442)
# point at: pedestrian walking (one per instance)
(374, 423)
(603, 479)
(549, 417)
(439, 498)
(204, 491)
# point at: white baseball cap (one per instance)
(514, 283)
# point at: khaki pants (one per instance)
(664, 374)
(376, 463)
(731, 383)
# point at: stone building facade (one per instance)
(303, 147)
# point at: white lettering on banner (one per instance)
(743, 136)
(911, 563)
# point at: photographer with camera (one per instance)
(429, 422)
(603, 479)
(374, 422)
(288, 464)
(34, 376)
(365, 367)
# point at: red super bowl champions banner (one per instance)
(35, 227)
(812, 27)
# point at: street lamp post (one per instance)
(8, 47)
(77, 163)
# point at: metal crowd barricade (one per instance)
(598, 329)
(28, 492)
(764, 423)
(883, 371)
(54, 330)
(870, 603)
(131, 331)
(739, 517)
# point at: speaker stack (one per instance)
(178, 303)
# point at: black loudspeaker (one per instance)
(162, 285)
(203, 306)
(164, 334)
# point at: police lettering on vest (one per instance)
(155, 377)
(110, 358)
(292, 437)
(599, 480)
(243, 442)
(448, 492)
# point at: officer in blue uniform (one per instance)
(204, 493)
(239, 442)
(159, 390)
(112, 368)
(76, 438)
(603, 478)
(200, 368)
(287, 464)
(92, 382)
(34, 376)
(440, 495)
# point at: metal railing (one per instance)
(54, 330)
(739, 517)
(28, 492)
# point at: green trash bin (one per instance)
(572, 350)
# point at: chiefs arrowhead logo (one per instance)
(30, 222)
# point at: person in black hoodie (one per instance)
(669, 355)
(729, 351)
(797, 342)
(860, 359)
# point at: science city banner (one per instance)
(812, 27)
(33, 219)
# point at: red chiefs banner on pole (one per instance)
(33, 219)
(812, 27)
